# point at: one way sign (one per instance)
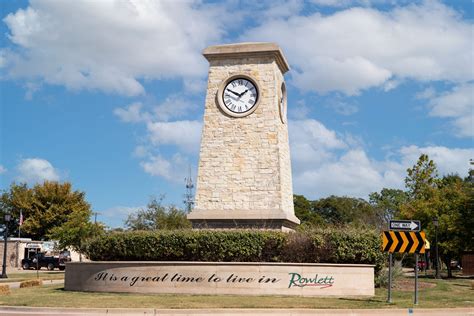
(405, 225)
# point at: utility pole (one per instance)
(95, 216)
(189, 196)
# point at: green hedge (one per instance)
(324, 245)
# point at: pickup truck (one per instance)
(41, 260)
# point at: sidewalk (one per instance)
(15, 311)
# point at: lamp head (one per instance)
(7, 217)
(436, 221)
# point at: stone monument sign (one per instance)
(244, 174)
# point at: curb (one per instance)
(10, 310)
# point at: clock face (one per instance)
(240, 96)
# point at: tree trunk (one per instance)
(447, 262)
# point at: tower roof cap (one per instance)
(249, 49)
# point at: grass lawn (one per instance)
(444, 294)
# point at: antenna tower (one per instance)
(189, 197)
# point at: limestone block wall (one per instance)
(245, 162)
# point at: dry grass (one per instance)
(4, 290)
(31, 283)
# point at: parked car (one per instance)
(41, 260)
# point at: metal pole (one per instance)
(4, 265)
(389, 299)
(416, 278)
(436, 253)
(37, 264)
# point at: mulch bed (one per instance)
(409, 285)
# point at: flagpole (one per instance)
(20, 223)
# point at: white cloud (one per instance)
(173, 170)
(342, 107)
(2, 169)
(458, 104)
(117, 215)
(110, 45)
(132, 113)
(352, 174)
(311, 144)
(330, 164)
(314, 132)
(184, 134)
(172, 107)
(448, 160)
(361, 48)
(36, 170)
(346, 3)
(140, 151)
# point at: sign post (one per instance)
(416, 278)
(389, 299)
(404, 236)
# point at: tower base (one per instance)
(239, 219)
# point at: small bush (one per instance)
(31, 283)
(4, 289)
(381, 280)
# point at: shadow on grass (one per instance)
(365, 300)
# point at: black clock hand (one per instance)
(233, 92)
(243, 93)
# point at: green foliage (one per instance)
(387, 205)
(303, 210)
(422, 178)
(337, 210)
(450, 199)
(45, 206)
(76, 230)
(157, 216)
(327, 246)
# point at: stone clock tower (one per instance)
(244, 174)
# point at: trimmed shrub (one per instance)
(311, 246)
(31, 283)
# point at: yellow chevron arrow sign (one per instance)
(400, 241)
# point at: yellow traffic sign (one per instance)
(400, 241)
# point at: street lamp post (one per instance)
(436, 224)
(7, 219)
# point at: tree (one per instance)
(344, 210)
(422, 189)
(421, 179)
(76, 230)
(303, 210)
(387, 204)
(157, 216)
(18, 198)
(456, 218)
(44, 207)
(449, 198)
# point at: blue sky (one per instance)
(109, 95)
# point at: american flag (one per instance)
(21, 218)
